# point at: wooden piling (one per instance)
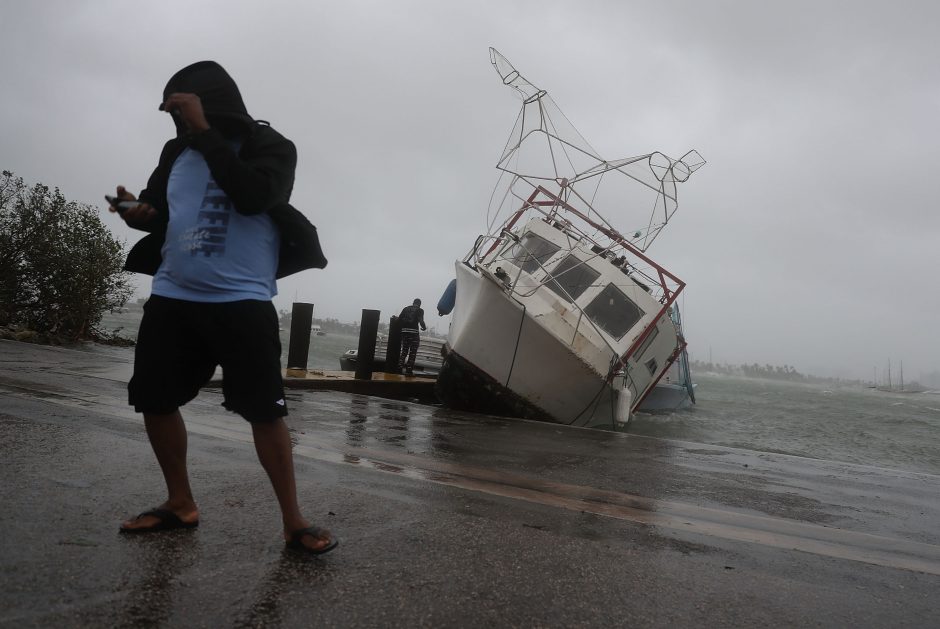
(299, 343)
(368, 331)
(393, 346)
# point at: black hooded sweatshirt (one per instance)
(257, 178)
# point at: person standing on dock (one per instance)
(410, 318)
(221, 232)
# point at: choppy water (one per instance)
(849, 424)
(324, 350)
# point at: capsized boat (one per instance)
(559, 316)
(675, 390)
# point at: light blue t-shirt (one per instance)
(212, 253)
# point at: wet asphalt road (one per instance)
(445, 520)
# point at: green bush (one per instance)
(61, 269)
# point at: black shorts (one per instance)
(180, 343)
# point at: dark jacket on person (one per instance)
(257, 178)
(411, 317)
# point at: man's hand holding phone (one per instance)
(127, 206)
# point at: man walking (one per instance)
(221, 232)
(410, 318)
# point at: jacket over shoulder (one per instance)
(258, 177)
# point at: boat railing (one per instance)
(617, 367)
(661, 284)
(654, 277)
(666, 288)
(659, 288)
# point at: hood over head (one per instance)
(218, 92)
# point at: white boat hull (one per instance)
(504, 361)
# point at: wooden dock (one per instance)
(387, 385)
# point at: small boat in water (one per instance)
(428, 358)
(558, 316)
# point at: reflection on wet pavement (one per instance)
(151, 583)
(643, 480)
(288, 570)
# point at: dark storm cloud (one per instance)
(808, 239)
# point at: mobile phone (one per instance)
(119, 204)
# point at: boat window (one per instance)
(613, 311)
(531, 252)
(572, 277)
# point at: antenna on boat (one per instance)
(512, 78)
(545, 152)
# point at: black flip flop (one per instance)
(296, 540)
(167, 521)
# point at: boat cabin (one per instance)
(588, 296)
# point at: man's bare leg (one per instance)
(168, 439)
(272, 443)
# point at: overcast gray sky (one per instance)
(809, 238)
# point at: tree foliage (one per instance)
(61, 269)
